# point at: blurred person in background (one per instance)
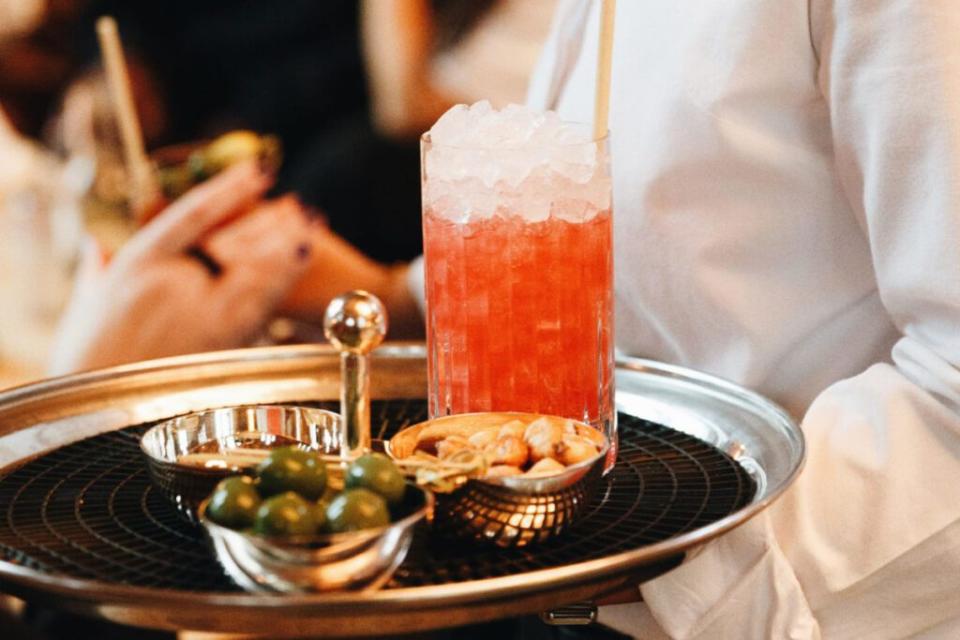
(348, 88)
(480, 40)
(206, 273)
(292, 69)
(39, 226)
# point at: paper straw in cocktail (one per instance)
(143, 185)
(601, 105)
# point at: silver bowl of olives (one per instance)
(303, 525)
(525, 477)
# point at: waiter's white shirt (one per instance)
(787, 215)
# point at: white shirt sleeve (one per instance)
(867, 542)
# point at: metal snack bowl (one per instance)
(362, 559)
(512, 511)
(187, 485)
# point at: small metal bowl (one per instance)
(513, 511)
(362, 559)
(222, 431)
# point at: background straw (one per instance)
(143, 186)
(601, 105)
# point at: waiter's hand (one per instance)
(205, 274)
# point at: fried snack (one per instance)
(546, 467)
(503, 471)
(512, 428)
(483, 438)
(506, 444)
(509, 450)
(574, 448)
(594, 436)
(428, 439)
(543, 436)
(450, 445)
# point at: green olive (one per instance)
(376, 472)
(287, 514)
(234, 502)
(293, 469)
(356, 509)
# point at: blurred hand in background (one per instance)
(207, 273)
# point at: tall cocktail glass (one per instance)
(519, 277)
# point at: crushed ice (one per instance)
(515, 159)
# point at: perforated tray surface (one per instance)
(88, 510)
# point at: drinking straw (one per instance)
(601, 105)
(143, 186)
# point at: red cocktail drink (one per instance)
(520, 315)
(519, 278)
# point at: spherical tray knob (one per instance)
(355, 322)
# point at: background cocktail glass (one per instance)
(519, 280)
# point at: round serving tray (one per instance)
(43, 417)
